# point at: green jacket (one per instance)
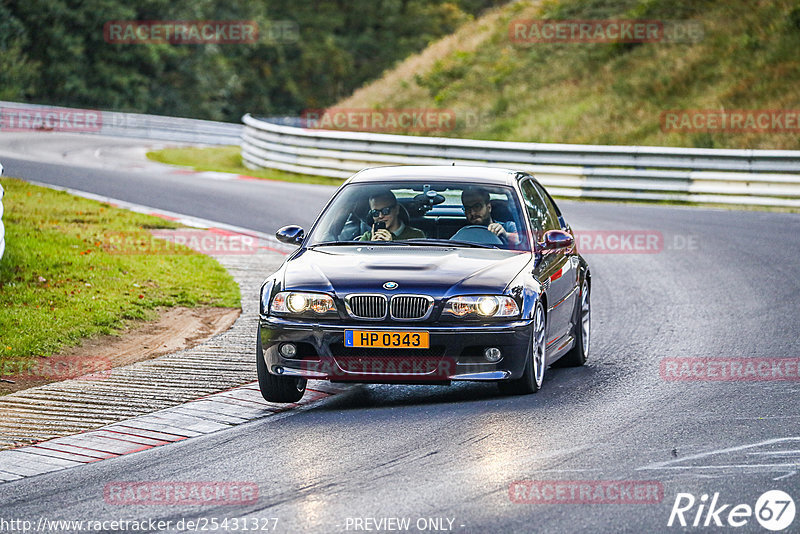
(406, 232)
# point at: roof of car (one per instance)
(492, 175)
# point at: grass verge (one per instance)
(229, 159)
(61, 280)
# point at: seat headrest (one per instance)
(500, 210)
(404, 214)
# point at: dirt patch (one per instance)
(176, 329)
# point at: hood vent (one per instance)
(412, 250)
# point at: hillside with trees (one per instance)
(54, 52)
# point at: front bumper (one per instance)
(455, 353)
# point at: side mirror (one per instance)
(556, 239)
(292, 235)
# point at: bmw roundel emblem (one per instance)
(390, 285)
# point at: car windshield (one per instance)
(427, 213)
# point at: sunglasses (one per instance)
(474, 207)
(383, 211)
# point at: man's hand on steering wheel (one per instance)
(498, 230)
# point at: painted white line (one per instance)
(214, 175)
(667, 464)
(774, 453)
(787, 475)
(589, 470)
(725, 466)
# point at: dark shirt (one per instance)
(404, 232)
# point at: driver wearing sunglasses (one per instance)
(387, 225)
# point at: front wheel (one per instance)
(578, 354)
(276, 388)
(533, 375)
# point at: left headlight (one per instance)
(302, 303)
(481, 306)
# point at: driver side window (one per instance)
(541, 218)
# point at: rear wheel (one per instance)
(578, 354)
(533, 375)
(277, 388)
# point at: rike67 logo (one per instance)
(774, 510)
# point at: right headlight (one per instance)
(479, 306)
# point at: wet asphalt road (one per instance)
(725, 285)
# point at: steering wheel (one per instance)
(475, 233)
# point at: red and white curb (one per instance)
(215, 412)
(63, 449)
(216, 175)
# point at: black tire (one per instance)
(277, 388)
(531, 379)
(578, 354)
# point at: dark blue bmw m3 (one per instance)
(426, 275)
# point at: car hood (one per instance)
(435, 271)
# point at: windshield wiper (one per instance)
(335, 243)
(407, 243)
(448, 242)
(362, 243)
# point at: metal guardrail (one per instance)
(2, 228)
(746, 177)
(54, 118)
(18, 117)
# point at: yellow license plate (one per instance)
(386, 340)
